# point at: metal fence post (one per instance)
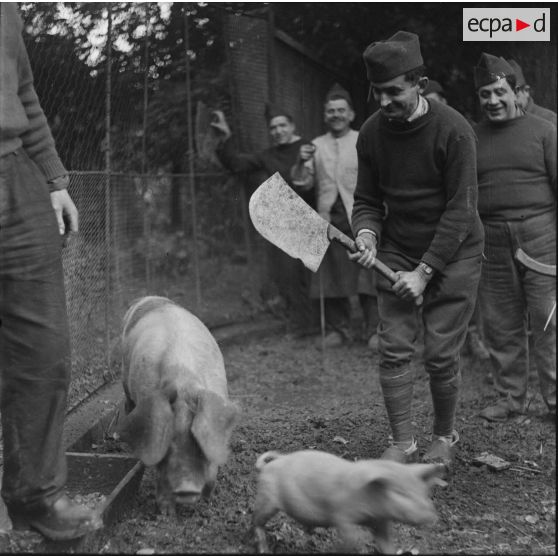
(191, 169)
(146, 223)
(108, 221)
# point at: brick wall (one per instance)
(301, 81)
(247, 40)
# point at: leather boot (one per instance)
(62, 521)
(395, 452)
(442, 450)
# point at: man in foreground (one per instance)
(416, 207)
(34, 336)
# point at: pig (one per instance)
(319, 489)
(179, 416)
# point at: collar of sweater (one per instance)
(500, 124)
(417, 122)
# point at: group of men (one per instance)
(409, 186)
(446, 205)
(417, 205)
(323, 172)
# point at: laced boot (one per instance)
(402, 452)
(442, 450)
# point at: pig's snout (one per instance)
(186, 497)
(189, 493)
(430, 516)
(412, 508)
(425, 515)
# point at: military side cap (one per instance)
(433, 87)
(338, 92)
(385, 60)
(272, 110)
(519, 77)
(491, 68)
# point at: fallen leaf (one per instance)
(532, 519)
(340, 440)
(531, 463)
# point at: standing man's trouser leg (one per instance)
(34, 338)
(540, 292)
(508, 291)
(448, 305)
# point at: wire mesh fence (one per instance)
(128, 90)
(127, 247)
(121, 85)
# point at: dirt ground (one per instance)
(294, 396)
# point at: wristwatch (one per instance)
(426, 269)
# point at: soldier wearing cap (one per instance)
(279, 157)
(517, 204)
(330, 163)
(286, 277)
(417, 159)
(524, 99)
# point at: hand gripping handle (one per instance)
(335, 234)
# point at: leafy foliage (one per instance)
(149, 49)
(68, 51)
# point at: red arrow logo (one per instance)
(519, 25)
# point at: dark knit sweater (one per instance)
(516, 168)
(22, 121)
(279, 158)
(424, 172)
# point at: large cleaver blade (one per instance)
(281, 216)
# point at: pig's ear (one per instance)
(377, 488)
(431, 474)
(213, 424)
(149, 428)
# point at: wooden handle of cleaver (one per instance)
(335, 234)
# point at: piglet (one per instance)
(322, 490)
(179, 416)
